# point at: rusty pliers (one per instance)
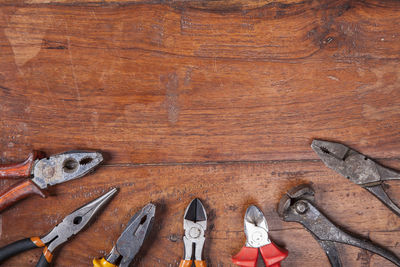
(297, 206)
(358, 168)
(41, 172)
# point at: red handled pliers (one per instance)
(256, 230)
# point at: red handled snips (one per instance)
(256, 230)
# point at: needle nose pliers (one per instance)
(257, 240)
(131, 239)
(40, 172)
(358, 168)
(70, 226)
(195, 224)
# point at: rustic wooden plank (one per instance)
(154, 83)
(226, 190)
(217, 99)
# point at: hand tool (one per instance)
(297, 206)
(42, 172)
(131, 239)
(358, 168)
(61, 233)
(194, 223)
(256, 230)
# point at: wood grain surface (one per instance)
(212, 99)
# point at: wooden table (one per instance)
(218, 100)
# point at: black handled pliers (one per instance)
(358, 168)
(70, 226)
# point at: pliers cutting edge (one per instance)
(195, 224)
(257, 240)
(70, 226)
(131, 239)
(358, 168)
(297, 206)
(42, 172)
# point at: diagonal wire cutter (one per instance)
(41, 172)
(195, 224)
(257, 241)
(70, 226)
(358, 168)
(131, 239)
(297, 206)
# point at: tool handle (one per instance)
(198, 263)
(273, 255)
(185, 263)
(19, 170)
(18, 247)
(188, 263)
(247, 257)
(102, 263)
(380, 193)
(19, 191)
(45, 259)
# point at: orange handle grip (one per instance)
(185, 263)
(102, 263)
(188, 263)
(200, 263)
(18, 170)
(19, 191)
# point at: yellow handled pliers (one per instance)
(131, 239)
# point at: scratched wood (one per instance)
(218, 100)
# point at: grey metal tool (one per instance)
(70, 226)
(131, 239)
(41, 172)
(195, 224)
(297, 206)
(358, 168)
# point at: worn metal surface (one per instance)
(297, 207)
(358, 168)
(64, 167)
(131, 239)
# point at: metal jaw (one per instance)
(296, 206)
(76, 221)
(195, 224)
(255, 228)
(194, 234)
(64, 167)
(357, 168)
(131, 239)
